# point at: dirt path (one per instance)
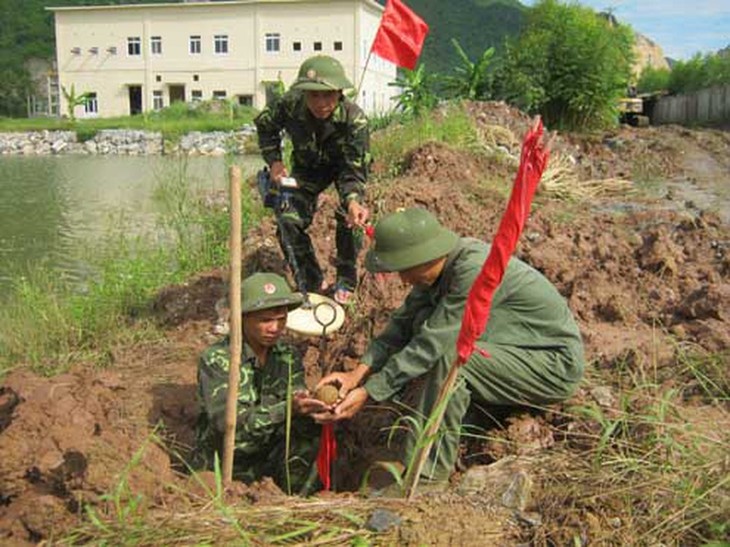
(707, 184)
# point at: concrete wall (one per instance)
(92, 50)
(704, 106)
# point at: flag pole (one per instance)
(234, 303)
(364, 70)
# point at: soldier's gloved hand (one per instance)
(303, 403)
(357, 214)
(277, 172)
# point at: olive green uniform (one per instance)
(324, 151)
(261, 422)
(535, 347)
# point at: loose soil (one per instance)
(646, 273)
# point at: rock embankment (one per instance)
(126, 142)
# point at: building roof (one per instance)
(203, 3)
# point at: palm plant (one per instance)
(416, 95)
(471, 80)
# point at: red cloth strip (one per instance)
(326, 455)
(533, 160)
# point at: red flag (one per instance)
(400, 35)
(533, 160)
(327, 454)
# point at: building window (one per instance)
(195, 45)
(272, 41)
(91, 106)
(134, 45)
(219, 95)
(158, 102)
(156, 45)
(317, 46)
(196, 77)
(220, 43)
(297, 46)
(196, 95)
(338, 46)
(245, 100)
(158, 78)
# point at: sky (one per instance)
(682, 28)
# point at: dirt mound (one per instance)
(643, 278)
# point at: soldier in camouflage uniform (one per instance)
(268, 367)
(534, 343)
(330, 139)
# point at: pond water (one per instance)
(55, 208)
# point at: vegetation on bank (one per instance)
(47, 322)
(172, 121)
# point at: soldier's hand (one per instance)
(303, 403)
(357, 214)
(351, 405)
(346, 380)
(278, 171)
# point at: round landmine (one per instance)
(327, 394)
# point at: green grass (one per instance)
(216, 517)
(451, 125)
(650, 470)
(48, 322)
(173, 121)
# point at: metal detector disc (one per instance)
(322, 316)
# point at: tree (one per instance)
(653, 79)
(570, 65)
(700, 72)
(472, 79)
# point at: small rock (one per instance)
(517, 495)
(382, 520)
(603, 395)
(530, 519)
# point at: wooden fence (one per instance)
(704, 106)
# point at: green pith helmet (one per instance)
(321, 73)
(408, 238)
(262, 291)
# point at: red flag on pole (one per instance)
(533, 161)
(400, 35)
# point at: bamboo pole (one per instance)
(439, 408)
(236, 335)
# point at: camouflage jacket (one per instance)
(261, 396)
(527, 311)
(336, 149)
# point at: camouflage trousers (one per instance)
(296, 214)
(270, 459)
(511, 376)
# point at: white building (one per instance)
(135, 58)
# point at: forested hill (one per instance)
(27, 32)
(476, 24)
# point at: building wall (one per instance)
(92, 49)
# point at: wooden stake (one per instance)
(414, 473)
(236, 334)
